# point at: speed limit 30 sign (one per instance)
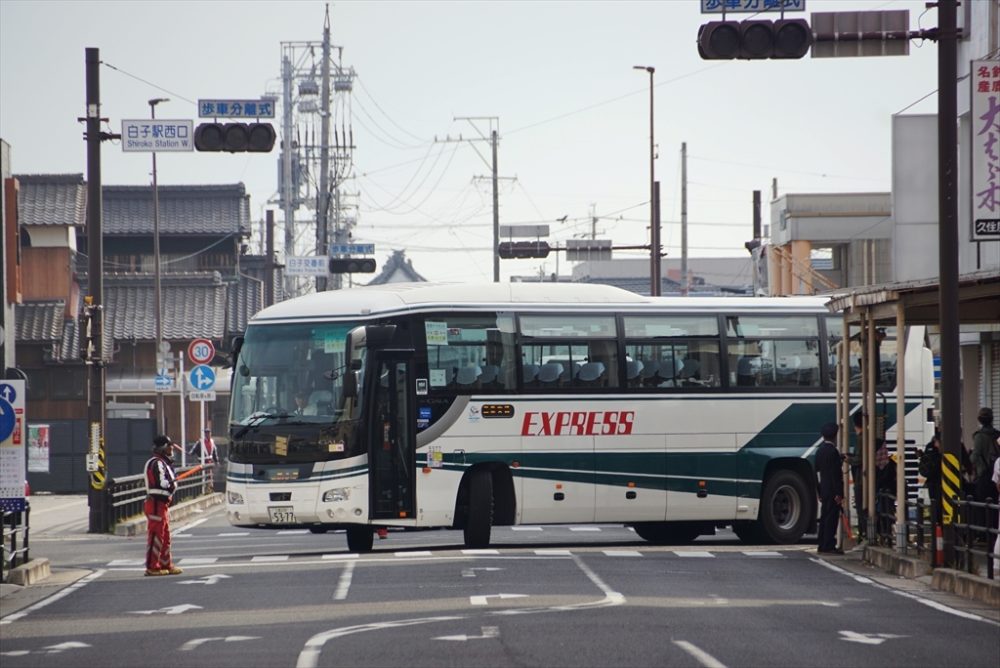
(201, 351)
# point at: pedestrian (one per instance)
(885, 489)
(996, 486)
(829, 488)
(930, 468)
(984, 453)
(161, 481)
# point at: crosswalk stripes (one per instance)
(423, 554)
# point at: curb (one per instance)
(966, 585)
(29, 573)
(178, 513)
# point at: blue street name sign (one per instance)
(352, 249)
(236, 108)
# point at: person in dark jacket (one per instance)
(930, 468)
(830, 488)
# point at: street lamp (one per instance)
(157, 295)
(654, 228)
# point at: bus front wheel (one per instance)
(360, 538)
(785, 507)
(479, 520)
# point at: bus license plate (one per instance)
(282, 514)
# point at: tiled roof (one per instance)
(212, 209)
(397, 263)
(40, 321)
(193, 305)
(255, 266)
(44, 322)
(246, 297)
(52, 199)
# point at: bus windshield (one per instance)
(293, 375)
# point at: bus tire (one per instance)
(479, 521)
(360, 538)
(785, 507)
(667, 533)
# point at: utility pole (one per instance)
(288, 193)
(948, 242)
(654, 255)
(685, 280)
(494, 122)
(99, 520)
(655, 246)
(269, 259)
(323, 209)
(161, 359)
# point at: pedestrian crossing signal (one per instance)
(235, 137)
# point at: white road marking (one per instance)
(694, 553)
(905, 594)
(126, 562)
(82, 582)
(471, 572)
(483, 600)
(197, 642)
(585, 528)
(169, 610)
(207, 579)
(700, 655)
(344, 584)
(421, 553)
(764, 553)
(480, 552)
(197, 561)
(526, 528)
(622, 553)
(309, 656)
(179, 533)
(352, 555)
(269, 558)
(488, 632)
(292, 532)
(231, 534)
(553, 553)
(868, 638)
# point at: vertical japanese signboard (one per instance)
(12, 438)
(38, 448)
(985, 150)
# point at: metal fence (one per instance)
(974, 523)
(14, 553)
(127, 494)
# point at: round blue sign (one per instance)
(7, 419)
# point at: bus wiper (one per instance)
(256, 419)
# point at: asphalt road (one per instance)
(542, 596)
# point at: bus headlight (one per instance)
(337, 494)
(234, 497)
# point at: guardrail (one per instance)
(974, 523)
(11, 556)
(128, 493)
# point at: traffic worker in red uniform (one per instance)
(161, 481)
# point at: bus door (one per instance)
(391, 436)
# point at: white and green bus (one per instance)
(473, 406)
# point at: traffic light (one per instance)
(520, 250)
(352, 265)
(754, 39)
(235, 137)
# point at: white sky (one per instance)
(573, 114)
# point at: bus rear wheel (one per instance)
(667, 533)
(360, 538)
(785, 508)
(479, 520)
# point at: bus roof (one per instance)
(395, 298)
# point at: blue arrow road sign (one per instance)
(8, 393)
(7, 419)
(202, 377)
